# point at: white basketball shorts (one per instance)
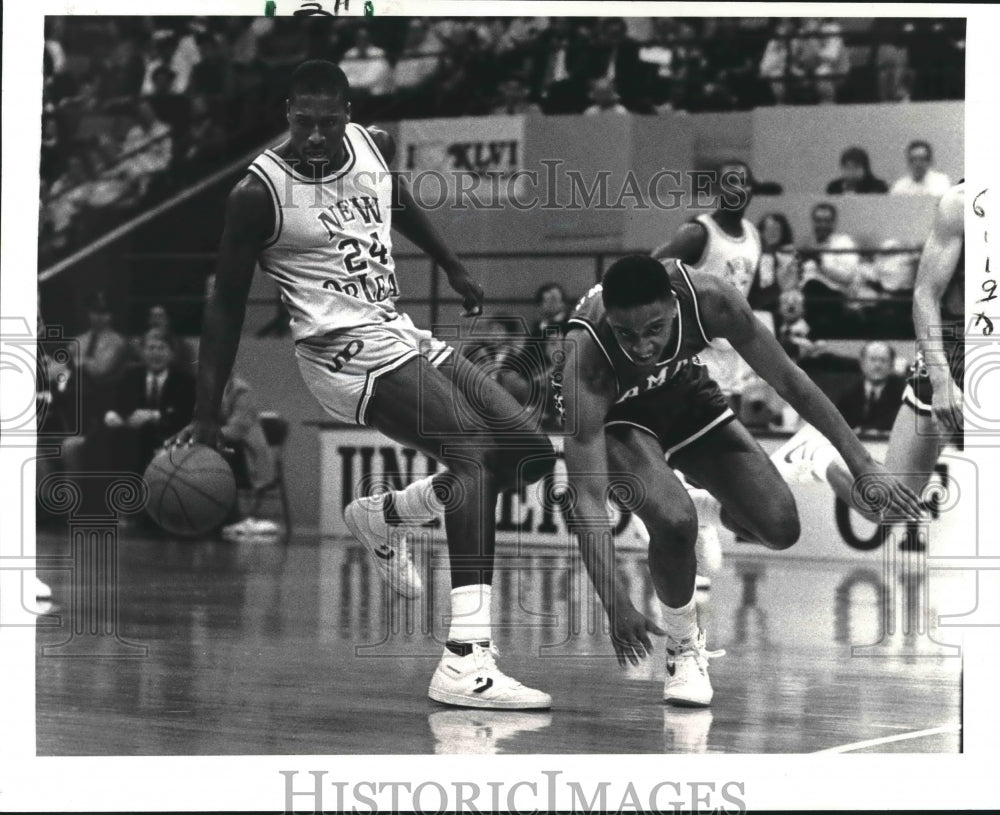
(341, 369)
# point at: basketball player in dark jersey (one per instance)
(931, 415)
(638, 403)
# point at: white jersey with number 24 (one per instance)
(330, 251)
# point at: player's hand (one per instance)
(199, 431)
(902, 501)
(468, 288)
(947, 404)
(630, 632)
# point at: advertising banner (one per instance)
(358, 460)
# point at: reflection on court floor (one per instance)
(254, 648)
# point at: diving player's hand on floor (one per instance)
(877, 490)
(630, 632)
(947, 404)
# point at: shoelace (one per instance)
(486, 659)
(697, 647)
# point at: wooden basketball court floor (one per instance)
(262, 648)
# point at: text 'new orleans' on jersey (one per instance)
(687, 336)
(330, 251)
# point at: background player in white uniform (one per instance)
(315, 213)
(726, 245)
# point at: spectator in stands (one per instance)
(170, 107)
(104, 354)
(856, 175)
(614, 56)
(559, 67)
(242, 36)
(896, 267)
(158, 318)
(658, 58)
(178, 54)
(366, 66)
(152, 402)
(114, 190)
(825, 56)
(66, 197)
(551, 301)
(123, 75)
(513, 49)
(604, 98)
(776, 65)
(894, 273)
(871, 403)
(147, 149)
(690, 67)
(793, 332)
(208, 137)
(55, 54)
(829, 271)
(921, 178)
(514, 99)
(779, 263)
(53, 149)
(419, 58)
(252, 460)
(323, 40)
(212, 75)
(889, 57)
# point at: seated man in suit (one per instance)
(872, 403)
(151, 403)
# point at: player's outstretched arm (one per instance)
(588, 392)
(248, 222)
(727, 314)
(687, 245)
(937, 266)
(410, 219)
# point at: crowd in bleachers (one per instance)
(135, 107)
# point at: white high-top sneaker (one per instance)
(687, 683)
(468, 676)
(387, 544)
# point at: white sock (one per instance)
(418, 503)
(681, 623)
(707, 505)
(470, 613)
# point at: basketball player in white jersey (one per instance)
(315, 213)
(931, 414)
(726, 245)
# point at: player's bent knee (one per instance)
(672, 530)
(785, 531)
(518, 462)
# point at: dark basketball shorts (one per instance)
(919, 392)
(677, 413)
